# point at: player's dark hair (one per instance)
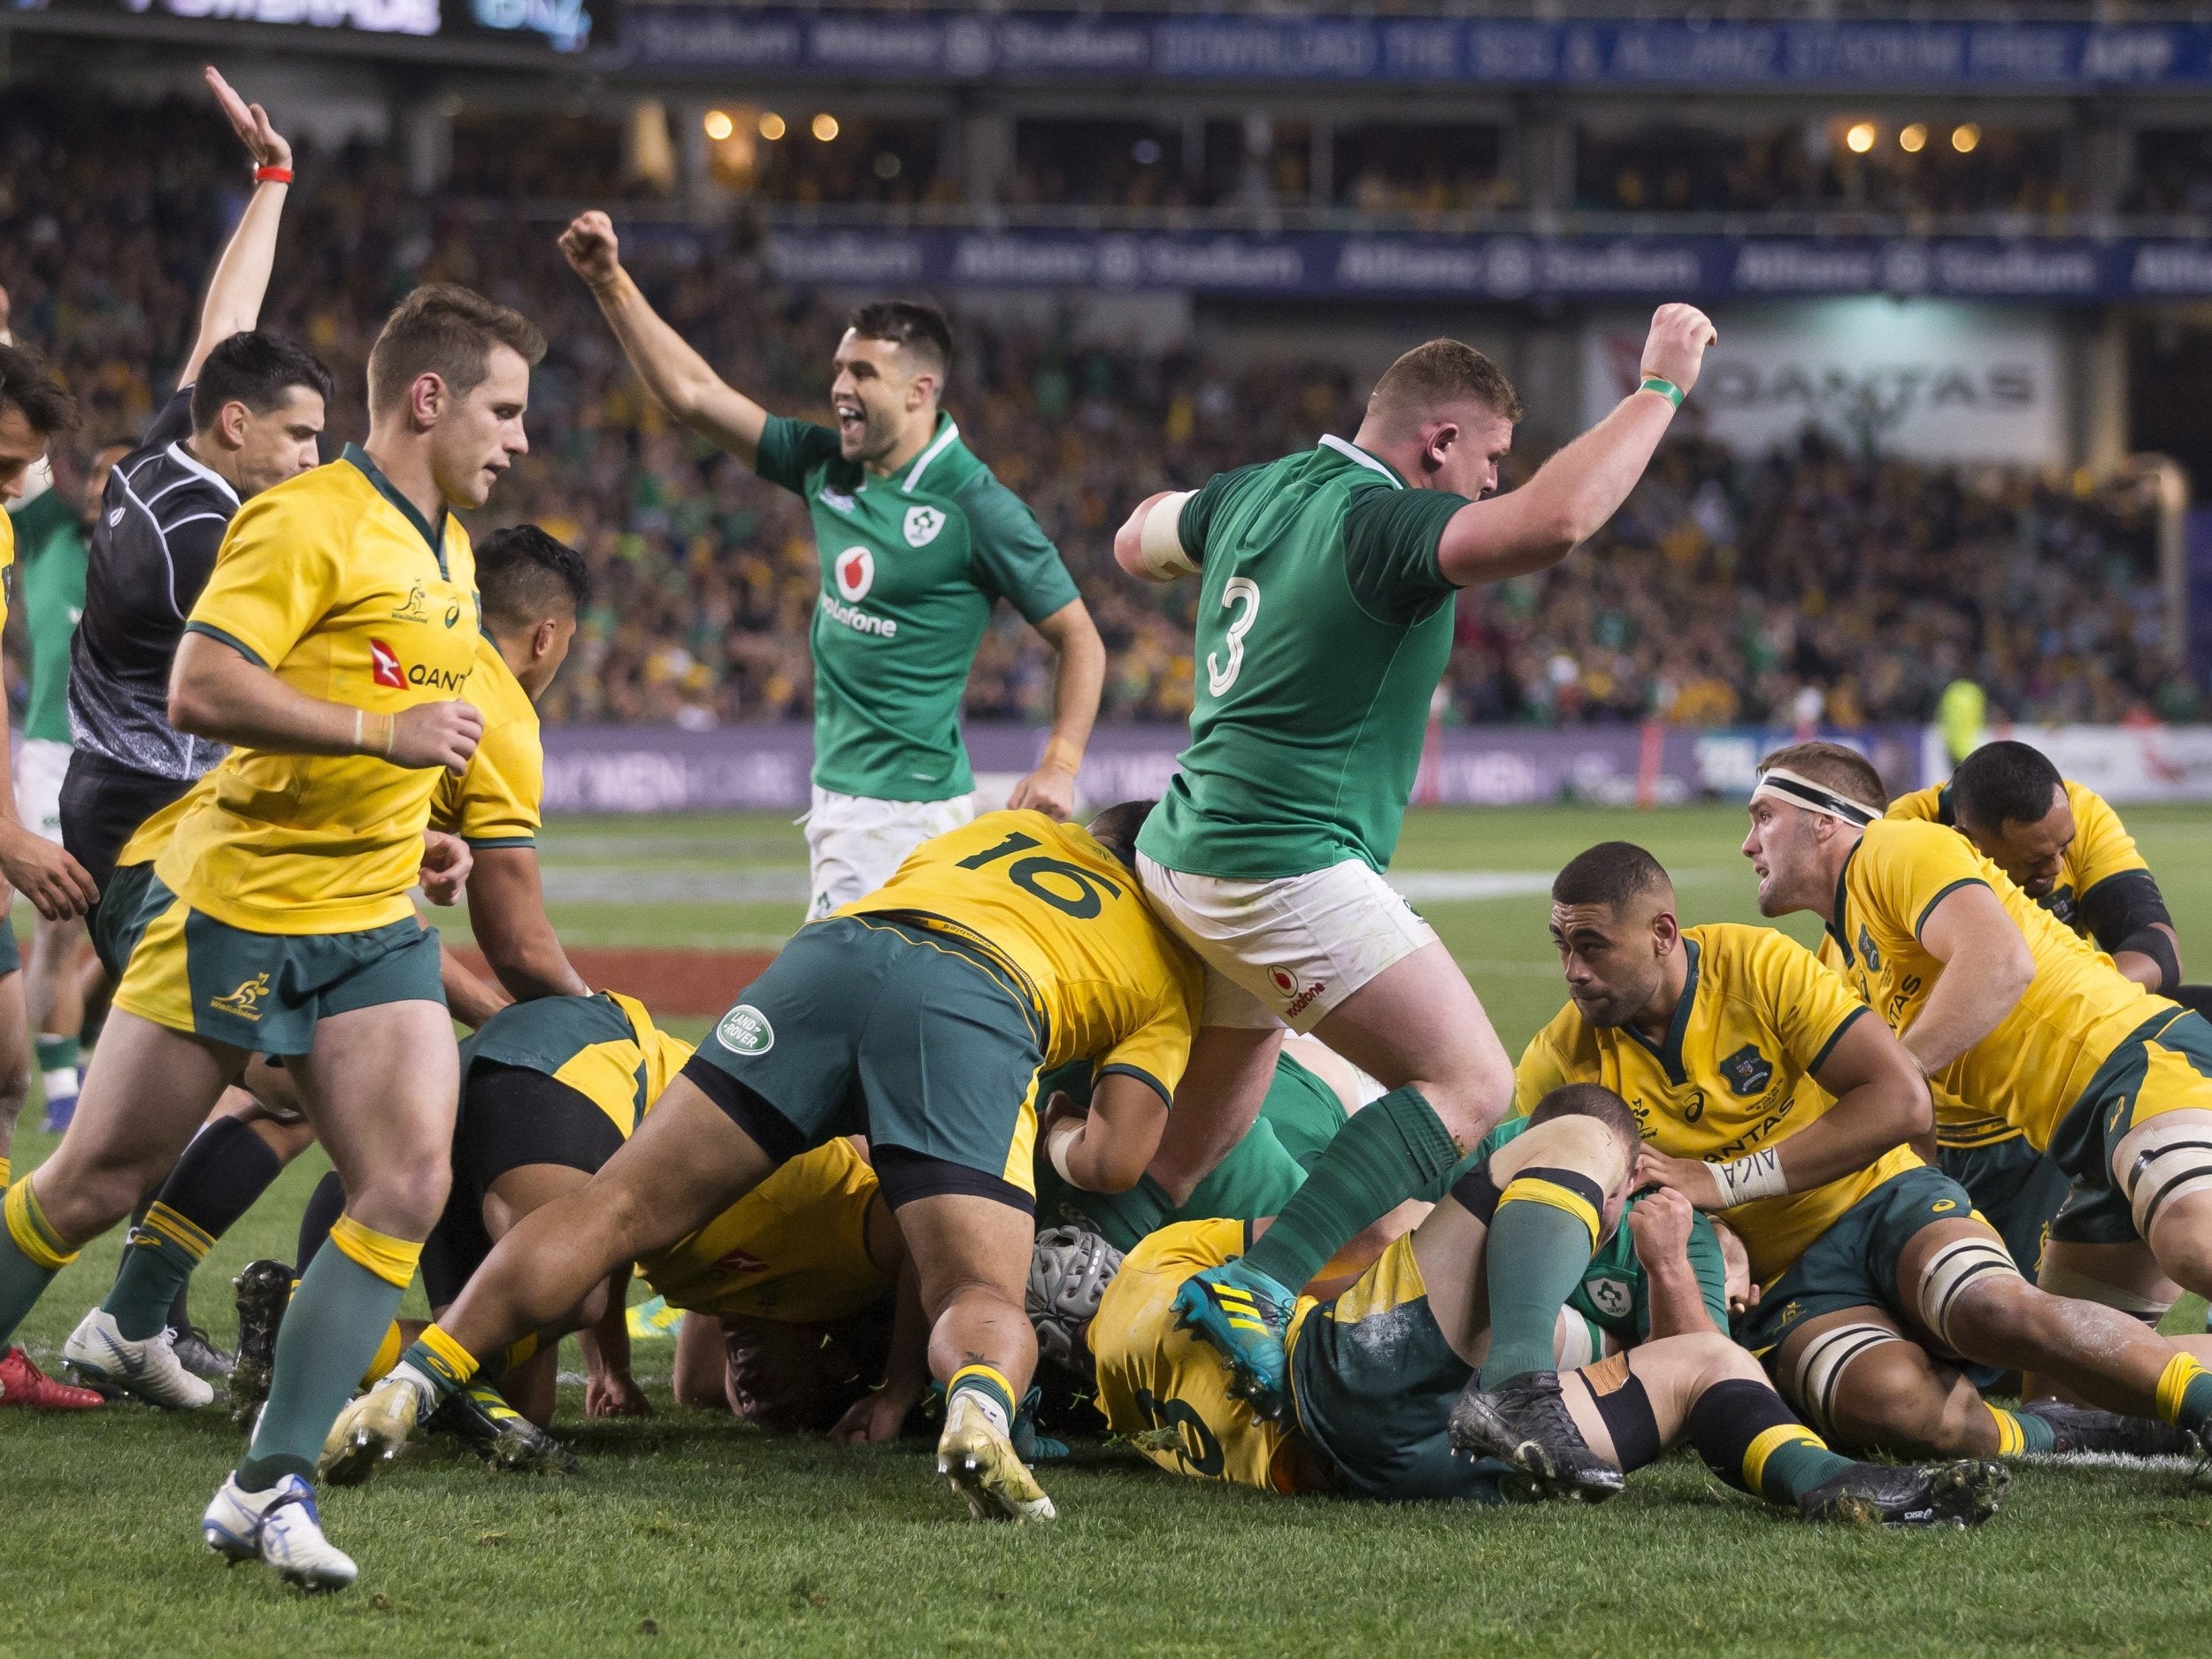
(1437, 375)
(914, 324)
(447, 330)
(527, 576)
(1115, 828)
(1615, 874)
(257, 369)
(2004, 782)
(1590, 1100)
(1832, 766)
(27, 384)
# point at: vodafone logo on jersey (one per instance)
(856, 571)
(384, 667)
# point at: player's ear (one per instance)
(230, 421)
(1442, 436)
(1665, 930)
(426, 398)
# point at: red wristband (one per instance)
(272, 175)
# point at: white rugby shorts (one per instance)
(39, 766)
(855, 841)
(1285, 951)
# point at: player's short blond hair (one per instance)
(1437, 376)
(444, 329)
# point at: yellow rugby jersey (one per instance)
(7, 561)
(334, 582)
(496, 800)
(2100, 849)
(1759, 1013)
(604, 1046)
(2075, 1011)
(1071, 921)
(794, 1250)
(1168, 1391)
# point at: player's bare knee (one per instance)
(405, 1200)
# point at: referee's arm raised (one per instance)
(678, 377)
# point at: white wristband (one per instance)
(1755, 1175)
(1057, 1145)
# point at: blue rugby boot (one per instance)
(1245, 1315)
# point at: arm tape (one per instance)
(1161, 539)
(2121, 906)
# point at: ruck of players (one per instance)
(1167, 1118)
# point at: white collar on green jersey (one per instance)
(1330, 441)
(938, 445)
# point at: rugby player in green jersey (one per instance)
(918, 541)
(1324, 621)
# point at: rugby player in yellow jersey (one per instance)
(331, 646)
(1377, 1371)
(2009, 1014)
(1765, 1093)
(33, 408)
(532, 590)
(921, 1016)
(2065, 847)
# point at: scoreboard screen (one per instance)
(563, 26)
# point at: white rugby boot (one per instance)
(280, 1526)
(147, 1370)
(976, 1455)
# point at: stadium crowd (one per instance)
(1731, 588)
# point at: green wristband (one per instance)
(1667, 389)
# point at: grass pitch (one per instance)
(688, 1534)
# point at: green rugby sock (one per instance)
(1394, 1150)
(338, 1316)
(31, 1253)
(1751, 1441)
(1540, 1239)
(2019, 1432)
(56, 1054)
(163, 1250)
(990, 1387)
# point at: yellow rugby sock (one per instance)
(391, 1260)
(31, 1253)
(2185, 1392)
(519, 1352)
(441, 1359)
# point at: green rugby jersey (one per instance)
(1297, 1120)
(50, 597)
(1615, 1294)
(911, 565)
(1324, 627)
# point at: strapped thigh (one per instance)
(2171, 1156)
(1818, 1368)
(2062, 1280)
(1950, 1271)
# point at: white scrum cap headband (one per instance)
(1778, 783)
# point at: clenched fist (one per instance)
(1675, 349)
(591, 248)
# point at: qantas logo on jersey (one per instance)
(384, 667)
(856, 571)
(452, 679)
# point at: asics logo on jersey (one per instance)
(245, 1001)
(922, 526)
(384, 667)
(452, 616)
(856, 571)
(415, 608)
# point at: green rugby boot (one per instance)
(1245, 1316)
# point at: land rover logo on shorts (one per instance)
(746, 1029)
(1608, 1296)
(922, 526)
(856, 571)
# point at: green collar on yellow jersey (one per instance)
(385, 488)
(1835, 927)
(1668, 1054)
(1947, 810)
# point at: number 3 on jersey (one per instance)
(1243, 590)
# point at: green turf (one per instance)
(687, 1534)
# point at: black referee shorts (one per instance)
(102, 806)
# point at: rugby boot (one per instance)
(1526, 1423)
(1244, 1315)
(372, 1428)
(499, 1434)
(147, 1370)
(23, 1384)
(264, 1290)
(280, 1526)
(1964, 1493)
(975, 1455)
(196, 1352)
(2081, 1429)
